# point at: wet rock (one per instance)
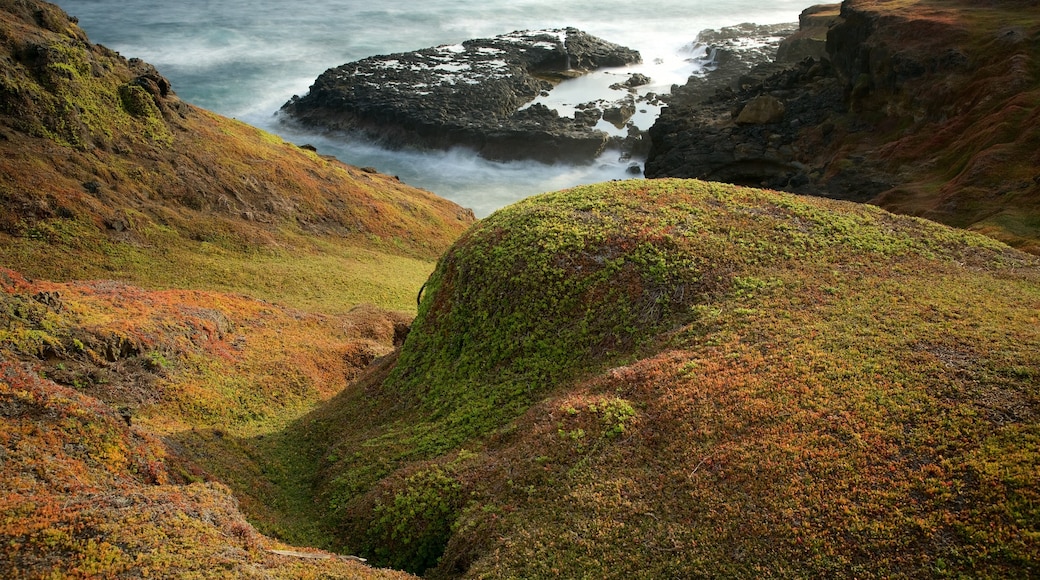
(620, 113)
(588, 115)
(468, 95)
(736, 57)
(636, 80)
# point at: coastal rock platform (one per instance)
(473, 95)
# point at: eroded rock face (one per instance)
(901, 110)
(466, 95)
(738, 122)
(760, 122)
(811, 39)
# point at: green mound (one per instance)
(677, 378)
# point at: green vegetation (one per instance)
(107, 174)
(677, 378)
(124, 401)
(217, 377)
(631, 379)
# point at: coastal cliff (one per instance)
(925, 108)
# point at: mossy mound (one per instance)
(678, 379)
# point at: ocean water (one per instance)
(244, 59)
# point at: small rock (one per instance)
(620, 113)
(637, 80)
(761, 110)
(118, 223)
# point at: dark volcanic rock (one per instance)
(739, 123)
(737, 56)
(811, 38)
(896, 108)
(756, 122)
(466, 95)
(705, 140)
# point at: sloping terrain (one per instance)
(107, 174)
(674, 378)
(651, 379)
(140, 411)
(123, 410)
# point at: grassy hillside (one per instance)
(126, 414)
(633, 379)
(107, 174)
(677, 379)
(175, 288)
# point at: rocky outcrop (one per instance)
(928, 109)
(735, 56)
(471, 95)
(750, 136)
(811, 39)
(752, 131)
(738, 122)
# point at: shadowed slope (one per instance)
(124, 416)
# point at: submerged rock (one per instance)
(467, 95)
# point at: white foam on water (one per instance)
(245, 58)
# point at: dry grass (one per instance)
(122, 408)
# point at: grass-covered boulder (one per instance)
(677, 378)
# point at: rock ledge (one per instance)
(468, 95)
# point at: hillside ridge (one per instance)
(103, 161)
(673, 378)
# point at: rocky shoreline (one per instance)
(928, 114)
(915, 114)
(470, 95)
(763, 123)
